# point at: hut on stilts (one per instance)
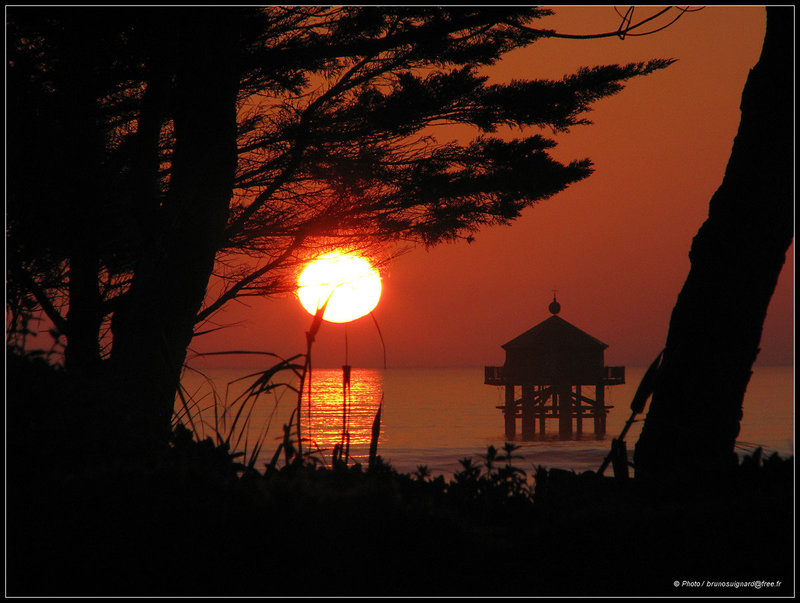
(549, 372)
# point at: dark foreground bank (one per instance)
(192, 522)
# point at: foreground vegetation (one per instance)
(84, 518)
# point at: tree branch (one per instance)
(235, 289)
(41, 297)
(621, 32)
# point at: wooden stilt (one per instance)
(542, 410)
(510, 411)
(528, 417)
(600, 411)
(578, 411)
(564, 412)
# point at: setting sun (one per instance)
(351, 283)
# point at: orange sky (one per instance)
(615, 245)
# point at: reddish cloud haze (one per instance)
(615, 245)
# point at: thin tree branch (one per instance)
(41, 297)
(235, 289)
(621, 32)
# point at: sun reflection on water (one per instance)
(325, 422)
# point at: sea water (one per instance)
(437, 416)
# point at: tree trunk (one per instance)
(82, 354)
(691, 428)
(155, 326)
(84, 193)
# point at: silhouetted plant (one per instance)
(232, 420)
(422, 472)
(757, 471)
(206, 454)
(497, 487)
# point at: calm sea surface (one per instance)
(436, 416)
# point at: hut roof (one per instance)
(555, 332)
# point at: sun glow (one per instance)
(350, 285)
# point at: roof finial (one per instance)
(555, 307)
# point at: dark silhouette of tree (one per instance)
(736, 257)
(233, 142)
